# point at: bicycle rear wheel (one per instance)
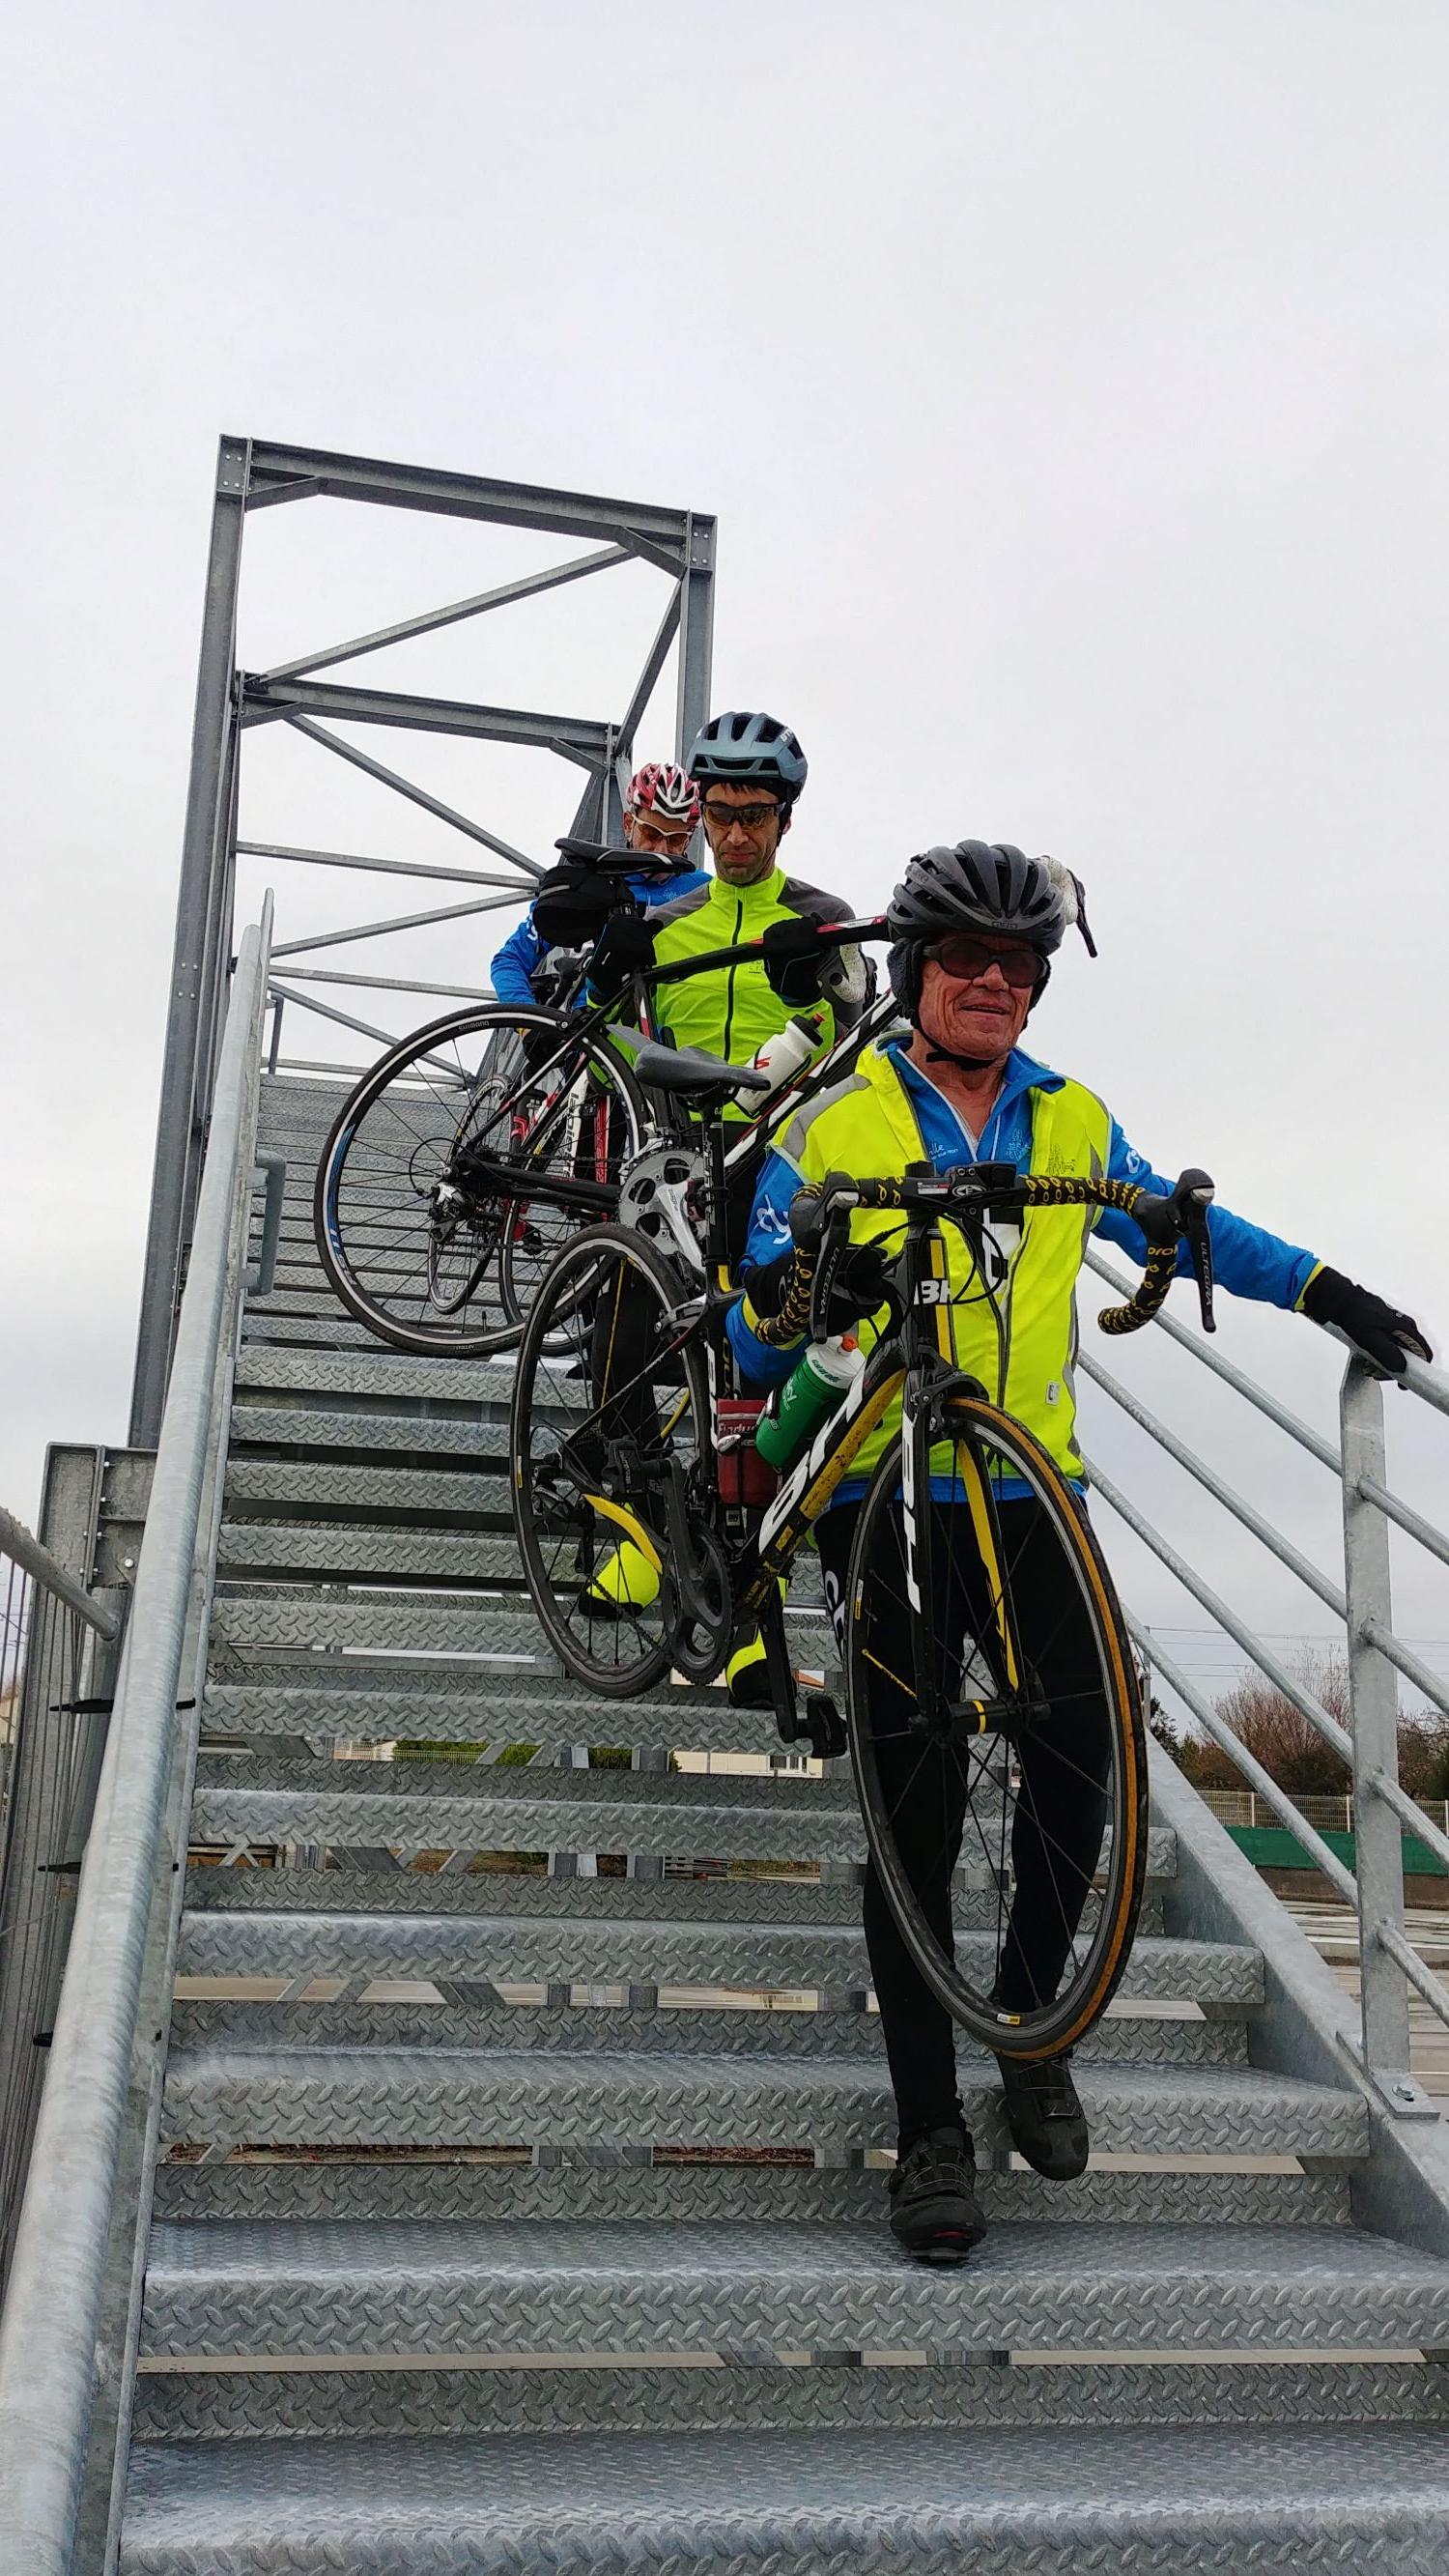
(610, 1403)
(996, 1731)
(415, 1233)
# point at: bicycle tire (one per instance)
(563, 1536)
(1094, 1965)
(372, 1198)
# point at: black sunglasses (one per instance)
(963, 956)
(749, 817)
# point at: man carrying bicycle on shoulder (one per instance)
(974, 929)
(750, 771)
(660, 814)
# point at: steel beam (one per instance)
(400, 921)
(1374, 1694)
(475, 496)
(415, 795)
(181, 1117)
(553, 578)
(696, 626)
(379, 867)
(576, 738)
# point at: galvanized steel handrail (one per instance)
(16, 1541)
(1382, 1807)
(48, 2334)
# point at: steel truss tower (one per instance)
(254, 474)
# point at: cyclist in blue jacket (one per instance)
(974, 930)
(660, 813)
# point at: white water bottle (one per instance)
(782, 1056)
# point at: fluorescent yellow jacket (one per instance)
(1021, 1341)
(730, 1011)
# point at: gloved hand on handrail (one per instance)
(1381, 1332)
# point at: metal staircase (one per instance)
(517, 2217)
(475, 2159)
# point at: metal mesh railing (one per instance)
(51, 1741)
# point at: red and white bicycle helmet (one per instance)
(662, 788)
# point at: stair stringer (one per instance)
(1306, 2025)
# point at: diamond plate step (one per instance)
(748, 1900)
(443, 1806)
(311, 1486)
(337, 1331)
(501, 1624)
(756, 2195)
(1030, 2503)
(343, 1699)
(750, 1896)
(682, 2286)
(459, 2019)
(464, 1435)
(473, 1807)
(306, 1101)
(698, 1952)
(359, 2096)
(362, 2404)
(323, 1550)
(381, 1371)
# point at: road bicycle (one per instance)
(479, 1144)
(990, 1692)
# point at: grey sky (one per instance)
(1070, 384)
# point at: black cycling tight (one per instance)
(1058, 1822)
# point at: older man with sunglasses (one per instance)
(975, 928)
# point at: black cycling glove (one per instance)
(573, 903)
(1379, 1330)
(861, 1285)
(793, 959)
(626, 947)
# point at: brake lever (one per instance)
(1191, 1200)
(833, 1240)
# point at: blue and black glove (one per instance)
(1381, 1332)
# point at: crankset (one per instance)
(700, 1605)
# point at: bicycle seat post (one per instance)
(716, 1244)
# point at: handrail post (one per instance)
(1374, 1701)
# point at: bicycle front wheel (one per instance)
(610, 1411)
(996, 1732)
(417, 1226)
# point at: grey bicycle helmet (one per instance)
(739, 748)
(978, 885)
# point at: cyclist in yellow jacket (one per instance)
(750, 771)
(975, 929)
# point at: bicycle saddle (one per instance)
(611, 861)
(686, 1069)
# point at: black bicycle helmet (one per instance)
(738, 749)
(978, 885)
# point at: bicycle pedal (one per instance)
(824, 1725)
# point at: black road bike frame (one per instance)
(913, 1359)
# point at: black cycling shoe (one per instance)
(934, 2209)
(1045, 2116)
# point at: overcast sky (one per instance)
(1070, 383)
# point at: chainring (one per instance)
(704, 1633)
(653, 1198)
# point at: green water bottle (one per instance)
(821, 1382)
